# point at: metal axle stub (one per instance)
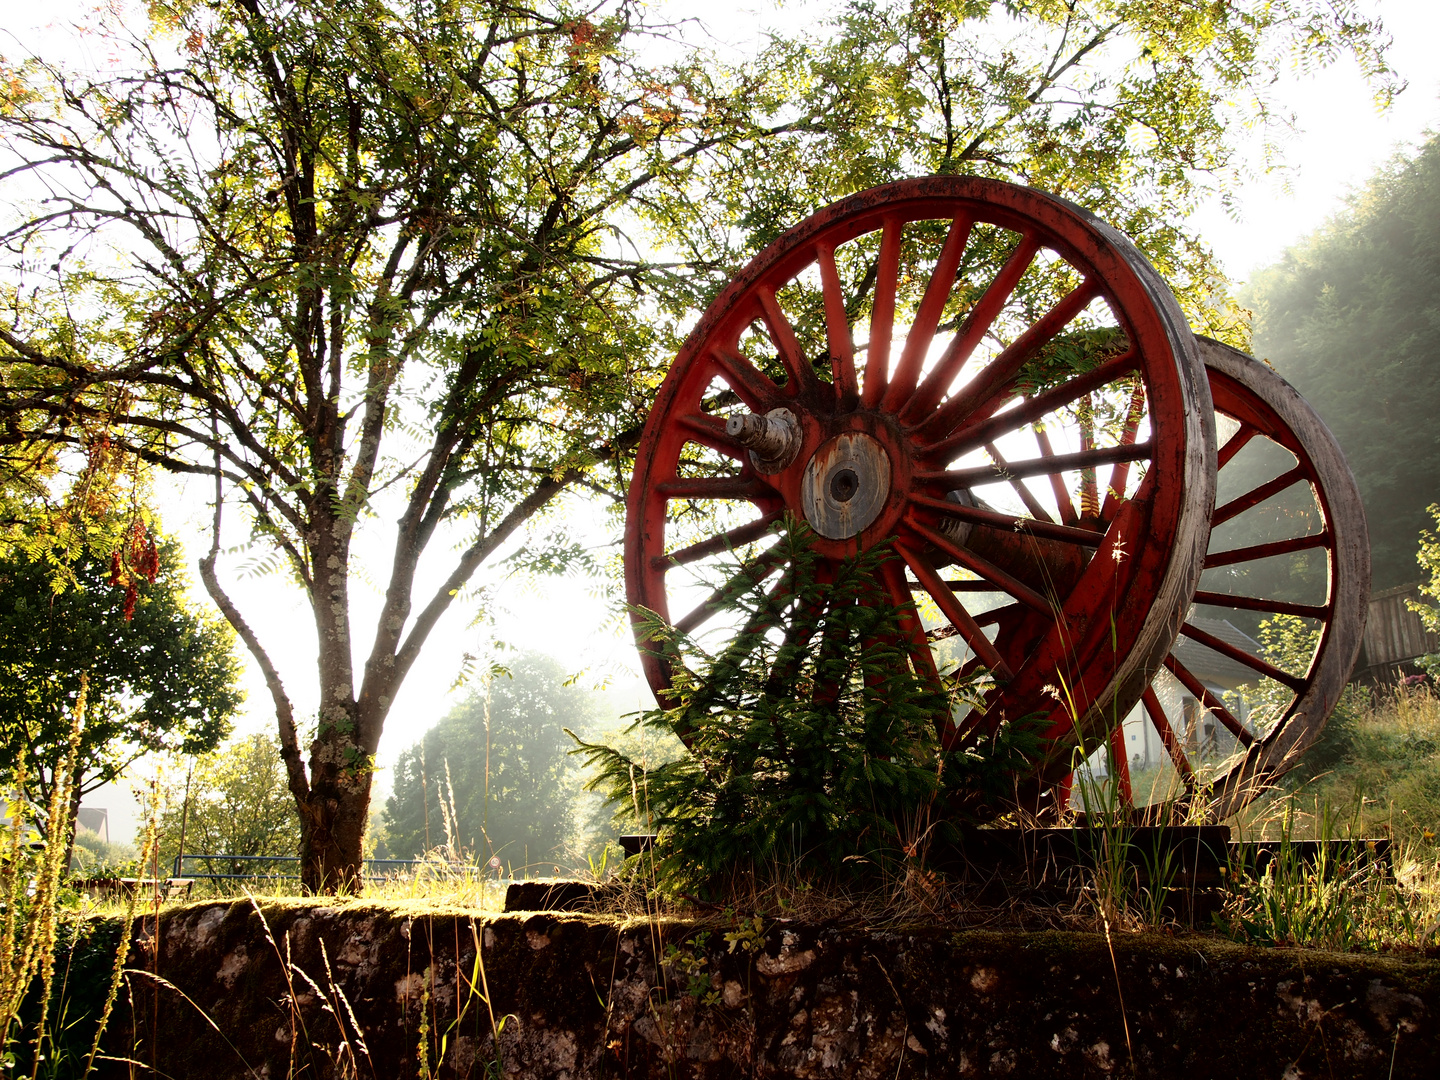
(772, 439)
(845, 485)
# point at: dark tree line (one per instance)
(1351, 317)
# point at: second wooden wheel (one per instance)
(984, 378)
(1265, 651)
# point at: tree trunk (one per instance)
(332, 834)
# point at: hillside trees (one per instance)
(1351, 317)
(236, 802)
(350, 261)
(504, 756)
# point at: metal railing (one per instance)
(376, 869)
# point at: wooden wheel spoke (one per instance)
(1120, 760)
(894, 579)
(837, 327)
(710, 431)
(1202, 694)
(994, 615)
(1032, 504)
(1120, 471)
(1048, 457)
(715, 487)
(1240, 656)
(750, 385)
(1235, 444)
(1237, 506)
(996, 375)
(748, 576)
(1049, 463)
(927, 316)
(801, 371)
(1265, 551)
(995, 519)
(1168, 738)
(727, 541)
(986, 569)
(882, 316)
(1256, 603)
(977, 324)
(987, 428)
(953, 610)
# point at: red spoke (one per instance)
(1253, 498)
(1120, 761)
(1202, 694)
(1038, 512)
(986, 569)
(1256, 603)
(1168, 737)
(1057, 482)
(976, 585)
(714, 487)
(837, 327)
(727, 541)
(750, 386)
(882, 316)
(1265, 551)
(927, 316)
(982, 429)
(1240, 656)
(977, 324)
(748, 576)
(1234, 445)
(1049, 463)
(959, 618)
(801, 372)
(710, 430)
(995, 519)
(1120, 471)
(894, 579)
(994, 615)
(993, 378)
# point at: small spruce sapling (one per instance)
(812, 740)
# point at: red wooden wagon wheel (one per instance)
(1232, 713)
(902, 368)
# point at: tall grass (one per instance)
(30, 882)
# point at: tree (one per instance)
(239, 804)
(362, 251)
(505, 759)
(352, 261)
(1125, 107)
(161, 676)
(1349, 316)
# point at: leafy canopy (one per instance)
(163, 679)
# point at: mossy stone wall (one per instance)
(293, 986)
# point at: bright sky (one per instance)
(1342, 139)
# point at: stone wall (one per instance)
(577, 996)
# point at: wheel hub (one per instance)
(845, 485)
